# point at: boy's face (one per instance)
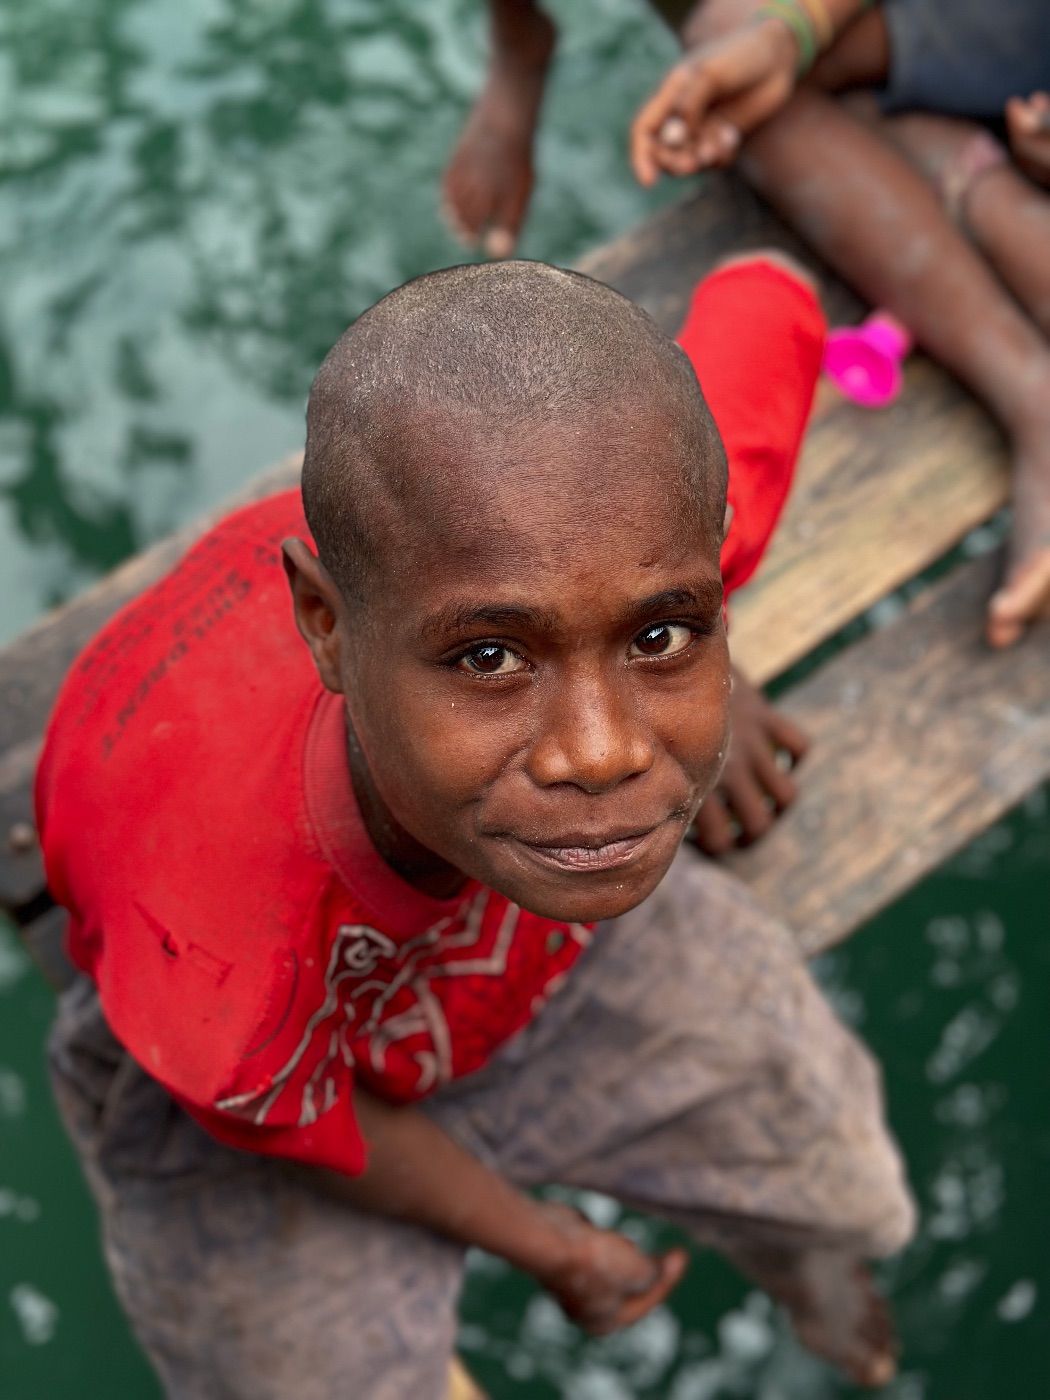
(538, 685)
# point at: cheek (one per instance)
(430, 751)
(693, 722)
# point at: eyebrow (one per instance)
(704, 597)
(455, 618)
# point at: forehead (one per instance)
(562, 511)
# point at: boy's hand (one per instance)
(416, 1172)
(753, 787)
(716, 94)
(605, 1282)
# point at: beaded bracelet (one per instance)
(791, 13)
(821, 20)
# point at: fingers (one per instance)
(669, 1270)
(755, 785)
(712, 830)
(774, 782)
(701, 111)
(746, 799)
(1024, 597)
(645, 139)
(785, 734)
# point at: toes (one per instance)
(498, 243)
(1023, 598)
(456, 212)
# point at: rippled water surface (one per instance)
(195, 198)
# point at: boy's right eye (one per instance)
(491, 659)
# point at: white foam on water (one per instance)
(37, 1315)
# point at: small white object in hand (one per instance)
(674, 132)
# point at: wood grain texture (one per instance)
(877, 498)
(923, 738)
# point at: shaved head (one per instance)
(483, 353)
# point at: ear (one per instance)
(727, 520)
(318, 606)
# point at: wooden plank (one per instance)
(876, 500)
(923, 737)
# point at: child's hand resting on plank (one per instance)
(753, 787)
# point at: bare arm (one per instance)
(737, 71)
(417, 1173)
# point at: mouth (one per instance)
(577, 854)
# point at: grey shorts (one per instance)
(966, 57)
(689, 1066)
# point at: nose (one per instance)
(592, 738)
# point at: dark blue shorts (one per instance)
(965, 57)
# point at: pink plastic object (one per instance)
(864, 362)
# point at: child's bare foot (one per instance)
(753, 789)
(488, 181)
(838, 1315)
(1024, 595)
(1028, 127)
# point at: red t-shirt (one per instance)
(755, 336)
(252, 950)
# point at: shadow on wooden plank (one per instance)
(924, 736)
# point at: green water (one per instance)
(195, 197)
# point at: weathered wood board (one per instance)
(923, 737)
(875, 502)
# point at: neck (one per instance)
(417, 865)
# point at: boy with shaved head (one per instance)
(375, 944)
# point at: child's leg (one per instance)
(241, 1283)
(488, 181)
(1005, 214)
(873, 218)
(689, 1066)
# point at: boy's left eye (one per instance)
(663, 639)
(491, 660)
